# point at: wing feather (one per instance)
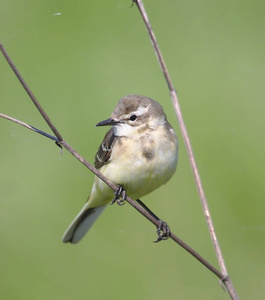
(104, 151)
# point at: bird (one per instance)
(138, 153)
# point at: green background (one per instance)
(79, 58)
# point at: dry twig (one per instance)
(63, 143)
(191, 156)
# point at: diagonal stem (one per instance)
(29, 127)
(187, 142)
(31, 95)
(143, 210)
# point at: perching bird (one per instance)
(139, 153)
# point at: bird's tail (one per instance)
(82, 223)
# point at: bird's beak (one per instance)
(108, 122)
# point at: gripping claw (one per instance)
(120, 196)
(163, 231)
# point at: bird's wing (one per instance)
(104, 151)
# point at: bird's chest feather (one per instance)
(142, 164)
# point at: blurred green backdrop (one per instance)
(79, 58)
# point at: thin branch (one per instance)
(97, 173)
(187, 142)
(114, 187)
(30, 127)
(31, 95)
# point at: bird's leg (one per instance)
(163, 230)
(120, 195)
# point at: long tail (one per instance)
(82, 223)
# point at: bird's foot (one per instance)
(120, 196)
(163, 231)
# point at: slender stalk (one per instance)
(114, 187)
(93, 169)
(31, 95)
(29, 127)
(187, 142)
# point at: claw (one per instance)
(120, 196)
(163, 231)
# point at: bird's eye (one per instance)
(133, 117)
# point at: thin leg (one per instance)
(147, 209)
(163, 230)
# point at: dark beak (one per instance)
(108, 122)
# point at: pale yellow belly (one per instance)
(138, 175)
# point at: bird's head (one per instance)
(135, 113)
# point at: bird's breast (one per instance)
(142, 164)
